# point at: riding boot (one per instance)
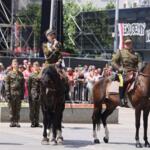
(122, 103)
(126, 103)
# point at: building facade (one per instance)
(135, 23)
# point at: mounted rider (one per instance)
(127, 62)
(53, 57)
(52, 49)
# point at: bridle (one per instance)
(144, 74)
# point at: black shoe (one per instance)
(12, 125)
(38, 125)
(18, 125)
(32, 125)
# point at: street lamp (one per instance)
(116, 26)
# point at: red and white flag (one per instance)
(121, 35)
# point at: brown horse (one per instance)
(139, 98)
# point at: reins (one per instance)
(143, 74)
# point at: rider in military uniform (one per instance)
(52, 49)
(34, 90)
(53, 58)
(126, 60)
(14, 86)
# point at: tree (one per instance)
(31, 15)
(110, 5)
(71, 9)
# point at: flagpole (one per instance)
(116, 26)
(52, 14)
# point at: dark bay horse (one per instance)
(53, 104)
(139, 98)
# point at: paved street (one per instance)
(75, 135)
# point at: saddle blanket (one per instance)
(112, 88)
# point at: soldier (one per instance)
(53, 58)
(34, 90)
(14, 86)
(52, 49)
(126, 60)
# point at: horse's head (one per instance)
(46, 77)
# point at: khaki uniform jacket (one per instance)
(52, 53)
(129, 60)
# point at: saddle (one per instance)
(129, 84)
(130, 80)
(112, 88)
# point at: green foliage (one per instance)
(73, 9)
(110, 5)
(97, 26)
(31, 15)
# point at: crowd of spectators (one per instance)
(81, 79)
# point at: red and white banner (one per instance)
(121, 35)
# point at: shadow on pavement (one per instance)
(10, 144)
(76, 143)
(121, 143)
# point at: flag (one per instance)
(121, 35)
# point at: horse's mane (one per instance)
(51, 78)
(51, 72)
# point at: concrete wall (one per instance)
(75, 115)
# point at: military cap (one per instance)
(49, 32)
(128, 40)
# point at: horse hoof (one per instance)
(139, 145)
(96, 141)
(147, 145)
(105, 140)
(45, 141)
(60, 140)
(53, 142)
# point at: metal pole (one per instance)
(4, 11)
(12, 26)
(116, 26)
(52, 14)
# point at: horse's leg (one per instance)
(145, 121)
(59, 130)
(104, 116)
(137, 124)
(96, 123)
(54, 127)
(45, 140)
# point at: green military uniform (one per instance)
(127, 62)
(52, 52)
(126, 59)
(14, 86)
(34, 102)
